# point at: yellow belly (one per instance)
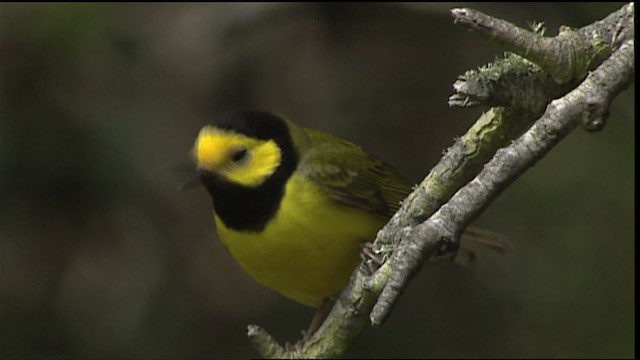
(311, 247)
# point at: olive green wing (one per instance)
(351, 176)
(355, 178)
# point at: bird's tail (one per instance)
(476, 242)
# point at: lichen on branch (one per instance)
(583, 69)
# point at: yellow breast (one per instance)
(308, 251)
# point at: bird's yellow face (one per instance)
(237, 158)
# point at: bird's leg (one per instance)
(368, 252)
(315, 324)
(316, 321)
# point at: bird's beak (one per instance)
(192, 181)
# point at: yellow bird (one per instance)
(294, 205)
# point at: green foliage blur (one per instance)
(101, 257)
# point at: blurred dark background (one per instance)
(102, 258)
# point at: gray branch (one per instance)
(423, 228)
(540, 68)
(588, 103)
(567, 56)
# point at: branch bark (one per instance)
(588, 103)
(423, 229)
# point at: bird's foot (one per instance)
(369, 254)
(296, 347)
(306, 335)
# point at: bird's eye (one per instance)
(239, 155)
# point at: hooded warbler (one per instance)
(293, 205)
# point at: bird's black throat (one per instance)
(245, 208)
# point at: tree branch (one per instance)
(588, 103)
(567, 56)
(413, 235)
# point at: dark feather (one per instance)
(354, 178)
(351, 176)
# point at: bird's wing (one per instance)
(351, 176)
(355, 178)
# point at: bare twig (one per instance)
(408, 239)
(589, 102)
(567, 56)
